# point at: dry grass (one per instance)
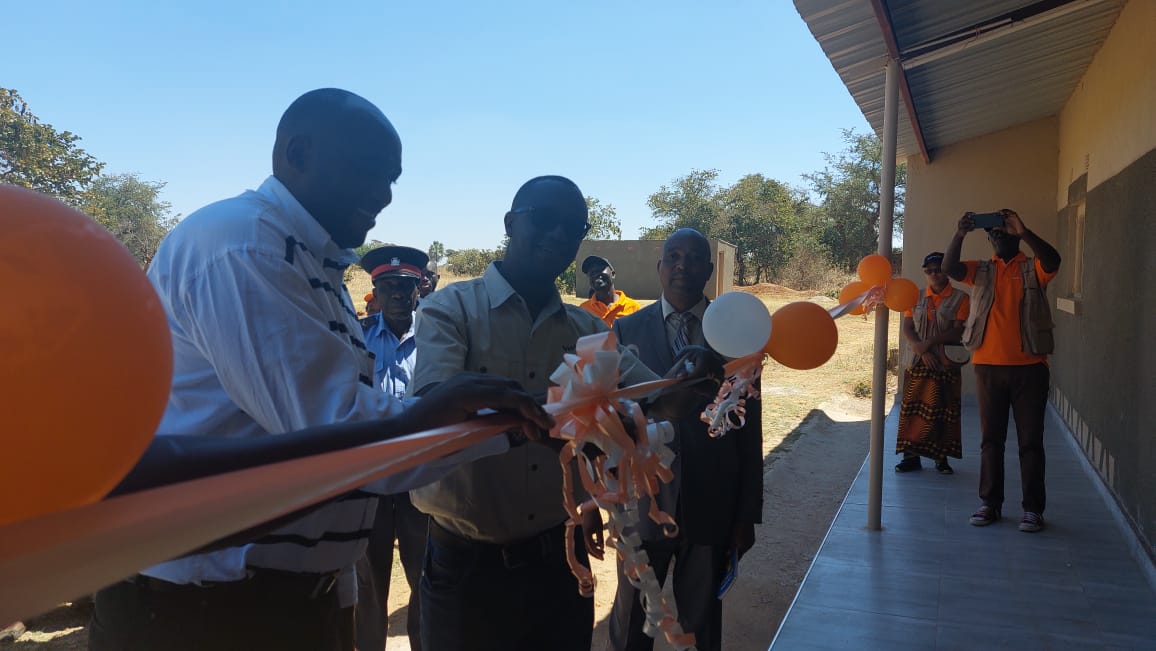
(789, 395)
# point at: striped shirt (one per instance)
(694, 326)
(266, 340)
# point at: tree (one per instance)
(757, 214)
(691, 201)
(35, 155)
(472, 262)
(760, 217)
(361, 251)
(604, 222)
(848, 189)
(436, 252)
(131, 209)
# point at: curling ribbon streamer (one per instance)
(623, 472)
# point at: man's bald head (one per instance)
(338, 155)
(689, 238)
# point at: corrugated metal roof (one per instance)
(988, 86)
(849, 35)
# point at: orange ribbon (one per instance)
(58, 556)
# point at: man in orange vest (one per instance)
(1009, 333)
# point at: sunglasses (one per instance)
(546, 220)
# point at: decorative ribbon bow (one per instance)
(590, 410)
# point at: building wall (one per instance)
(1014, 168)
(1098, 157)
(635, 265)
(1104, 369)
(1109, 122)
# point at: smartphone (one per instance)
(988, 219)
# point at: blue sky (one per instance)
(621, 96)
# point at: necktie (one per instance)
(681, 322)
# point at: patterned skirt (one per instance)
(929, 414)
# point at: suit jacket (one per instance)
(718, 482)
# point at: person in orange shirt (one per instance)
(1009, 331)
(605, 302)
(929, 413)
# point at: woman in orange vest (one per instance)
(929, 416)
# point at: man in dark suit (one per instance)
(717, 492)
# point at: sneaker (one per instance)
(1032, 522)
(908, 464)
(12, 633)
(944, 468)
(984, 516)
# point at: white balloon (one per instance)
(736, 324)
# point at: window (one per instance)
(1075, 256)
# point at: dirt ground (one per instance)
(814, 441)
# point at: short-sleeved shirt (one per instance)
(1002, 340)
(622, 306)
(484, 326)
(935, 299)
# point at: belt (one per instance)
(513, 555)
(305, 584)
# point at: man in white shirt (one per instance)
(265, 342)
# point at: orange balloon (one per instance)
(803, 336)
(900, 294)
(853, 290)
(875, 270)
(83, 382)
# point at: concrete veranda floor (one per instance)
(930, 580)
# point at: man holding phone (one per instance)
(1009, 331)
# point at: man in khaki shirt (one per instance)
(495, 573)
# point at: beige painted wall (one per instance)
(1107, 129)
(1014, 168)
(1110, 119)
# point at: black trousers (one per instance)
(1024, 391)
(518, 597)
(272, 610)
(396, 519)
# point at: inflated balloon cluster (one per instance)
(800, 335)
(877, 287)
